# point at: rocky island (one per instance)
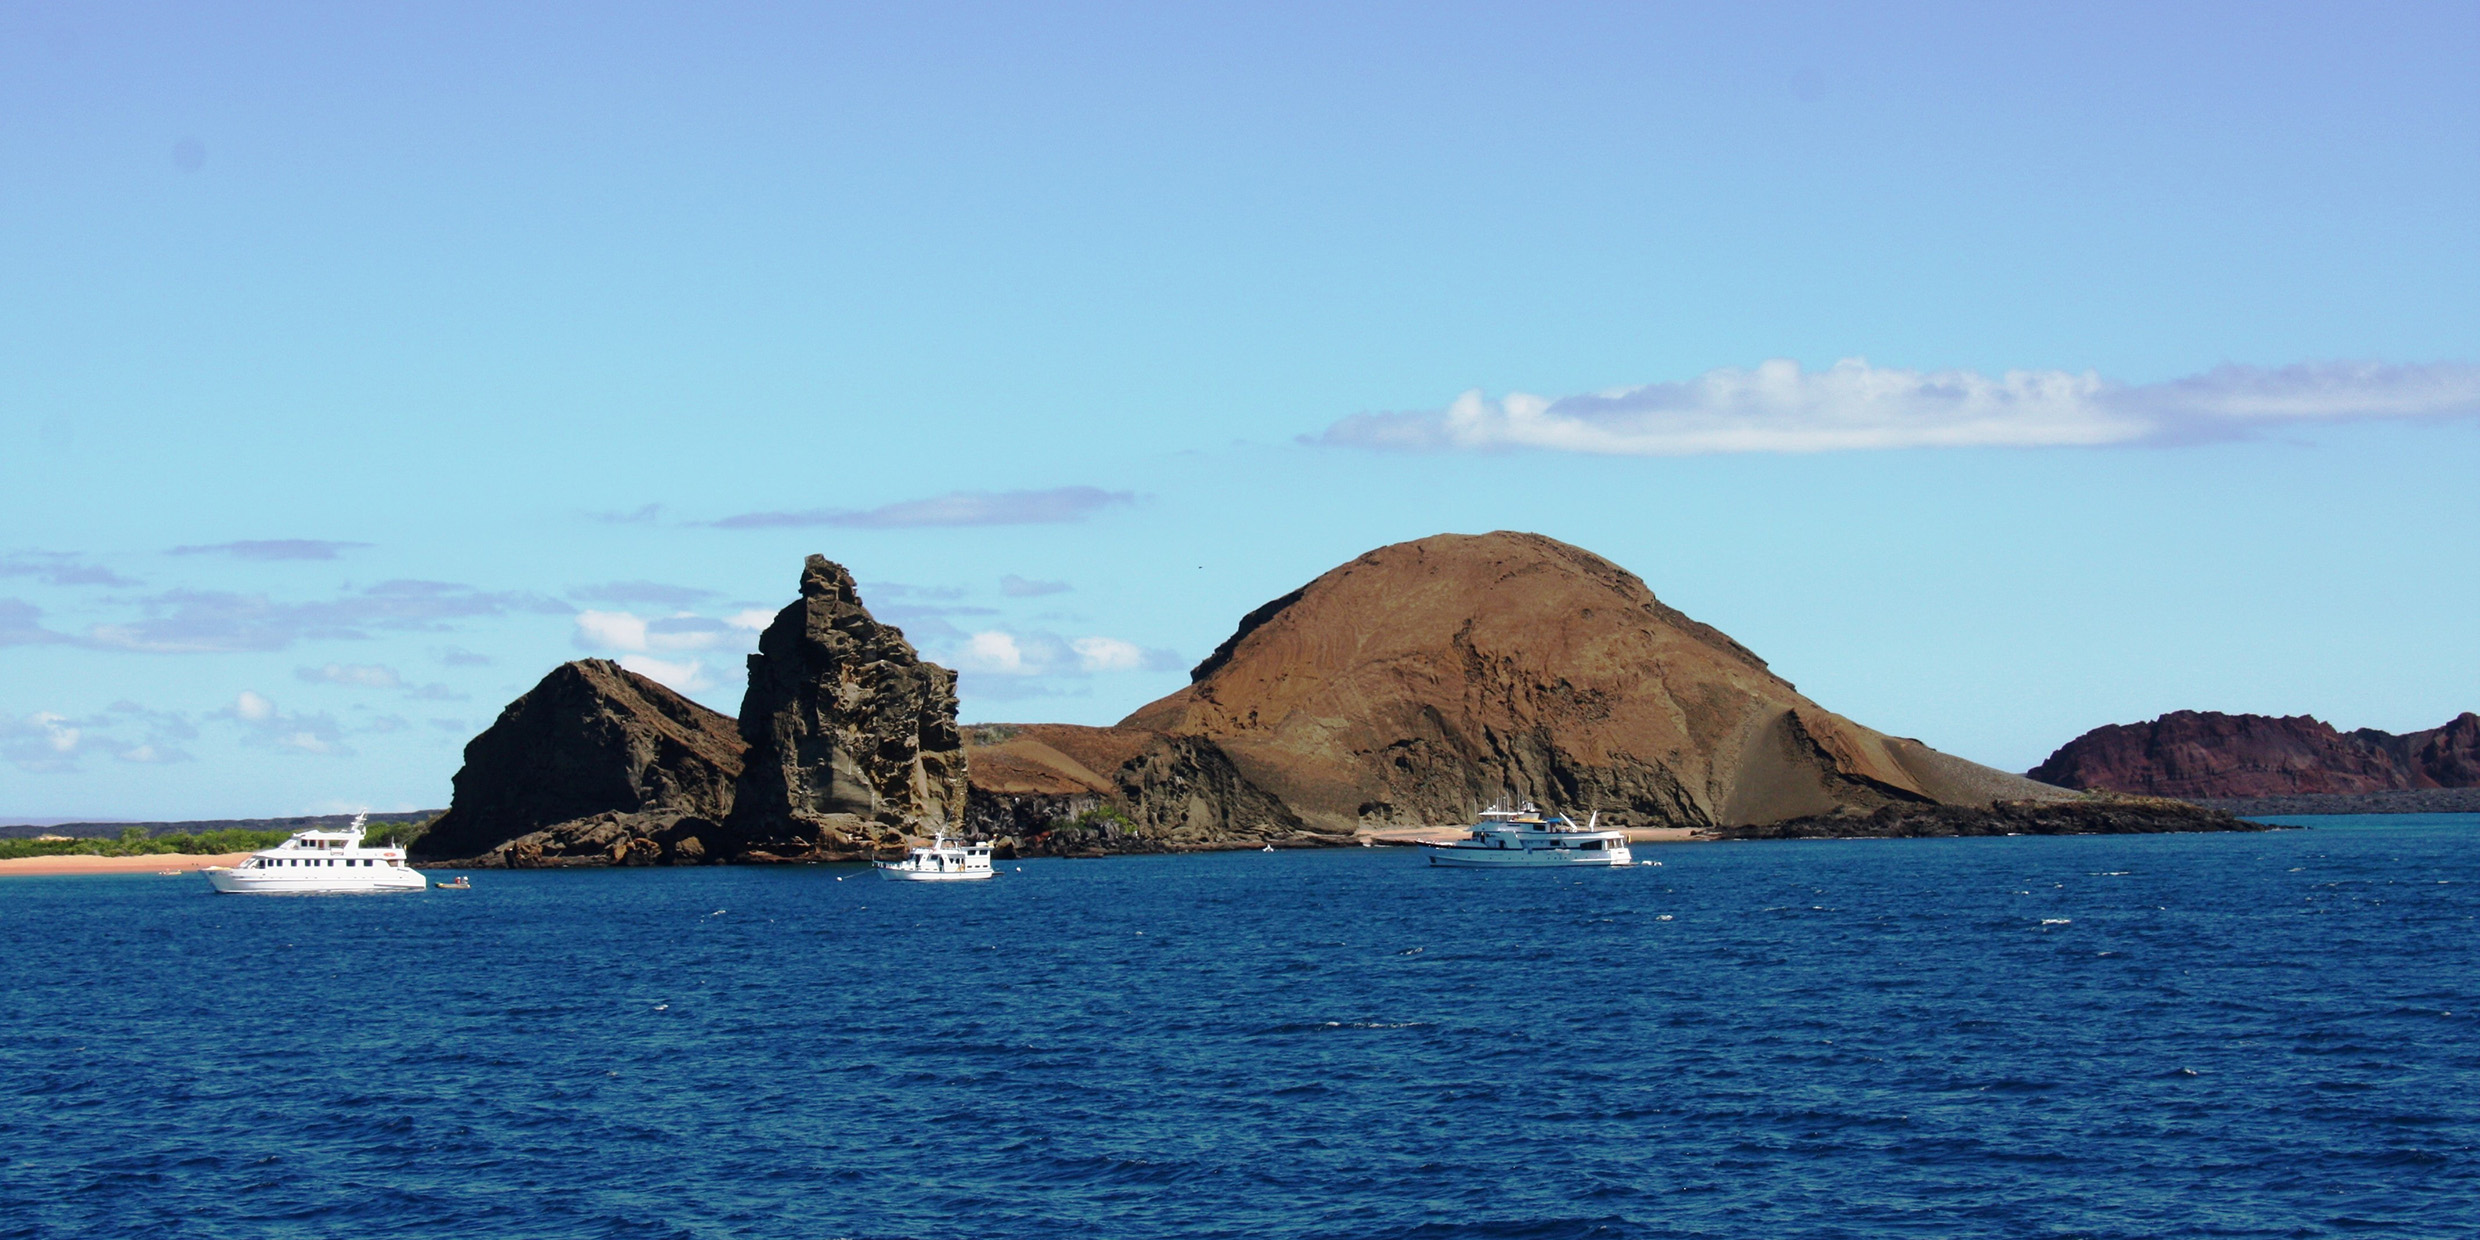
(2276, 764)
(1408, 688)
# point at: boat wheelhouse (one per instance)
(940, 861)
(1526, 837)
(317, 862)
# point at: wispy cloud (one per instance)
(43, 743)
(262, 723)
(202, 621)
(21, 624)
(51, 743)
(1014, 586)
(655, 592)
(367, 675)
(875, 590)
(456, 656)
(621, 631)
(274, 549)
(644, 514)
(652, 646)
(59, 568)
(999, 652)
(1779, 407)
(1055, 506)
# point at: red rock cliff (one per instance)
(2195, 754)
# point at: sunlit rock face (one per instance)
(1423, 681)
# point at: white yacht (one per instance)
(320, 862)
(940, 861)
(1527, 837)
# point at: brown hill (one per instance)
(596, 765)
(1424, 680)
(2206, 754)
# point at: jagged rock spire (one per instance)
(851, 735)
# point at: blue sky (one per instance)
(1995, 371)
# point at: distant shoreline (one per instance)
(73, 863)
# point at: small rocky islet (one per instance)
(1410, 687)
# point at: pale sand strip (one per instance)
(23, 866)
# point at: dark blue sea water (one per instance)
(2212, 1035)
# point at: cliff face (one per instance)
(2206, 754)
(852, 738)
(596, 765)
(1066, 790)
(1423, 681)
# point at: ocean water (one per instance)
(2211, 1035)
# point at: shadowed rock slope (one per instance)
(2205, 754)
(596, 765)
(1425, 680)
(852, 737)
(2108, 815)
(1065, 790)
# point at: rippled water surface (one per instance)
(2266, 1035)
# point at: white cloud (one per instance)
(755, 619)
(263, 724)
(48, 742)
(676, 634)
(42, 743)
(688, 677)
(1779, 407)
(995, 653)
(1108, 654)
(610, 630)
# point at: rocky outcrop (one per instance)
(2208, 755)
(2082, 816)
(1423, 681)
(852, 737)
(596, 765)
(1065, 790)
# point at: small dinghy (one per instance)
(456, 884)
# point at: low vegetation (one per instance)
(135, 842)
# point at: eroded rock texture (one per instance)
(852, 737)
(2205, 754)
(1061, 789)
(596, 765)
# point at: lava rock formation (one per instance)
(596, 765)
(2205, 754)
(852, 737)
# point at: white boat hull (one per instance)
(900, 874)
(278, 882)
(1525, 858)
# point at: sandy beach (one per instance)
(28, 866)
